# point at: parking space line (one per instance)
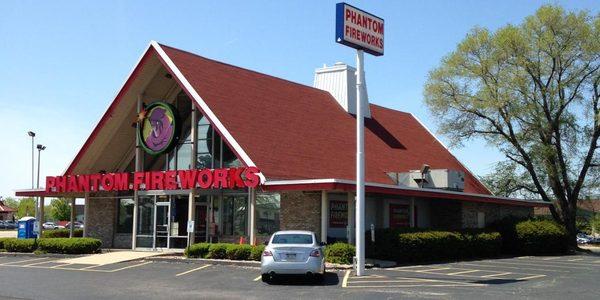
(192, 270)
(513, 267)
(464, 272)
(90, 267)
(537, 265)
(495, 275)
(124, 268)
(531, 277)
(576, 259)
(58, 266)
(37, 263)
(420, 285)
(257, 278)
(551, 258)
(431, 270)
(345, 280)
(21, 261)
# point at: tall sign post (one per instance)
(364, 32)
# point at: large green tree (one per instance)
(26, 207)
(531, 91)
(60, 209)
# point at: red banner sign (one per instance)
(156, 180)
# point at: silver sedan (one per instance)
(293, 252)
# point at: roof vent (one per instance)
(340, 81)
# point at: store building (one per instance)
(268, 154)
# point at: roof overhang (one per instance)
(350, 185)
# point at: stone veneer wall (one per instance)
(101, 220)
(493, 212)
(301, 211)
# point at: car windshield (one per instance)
(292, 238)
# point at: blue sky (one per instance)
(62, 62)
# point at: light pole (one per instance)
(32, 135)
(40, 147)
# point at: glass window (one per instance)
(292, 239)
(184, 155)
(125, 216)
(235, 214)
(267, 213)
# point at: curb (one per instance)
(227, 262)
(56, 255)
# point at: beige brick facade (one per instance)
(301, 211)
(101, 220)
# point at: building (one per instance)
(268, 154)
(6, 213)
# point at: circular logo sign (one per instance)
(158, 127)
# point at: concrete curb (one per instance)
(56, 255)
(228, 262)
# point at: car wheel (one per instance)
(266, 278)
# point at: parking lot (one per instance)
(556, 277)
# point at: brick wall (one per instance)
(101, 220)
(493, 212)
(301, 211)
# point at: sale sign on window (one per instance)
(338, 214)
(399, 215)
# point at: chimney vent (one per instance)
(340, 81)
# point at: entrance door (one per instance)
(200, 234)
(161, 233)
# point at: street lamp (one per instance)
(32, 135)
(40, 147)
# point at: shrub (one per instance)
(70, 245)
(339, 253)
(506, 228)
(238, 252)
(536, 237)
(20, 245)
(61, 233)
(2, 240)
(256, 252)
(199, 250)
(402, 245)
(217, 251)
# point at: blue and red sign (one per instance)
(359, 29)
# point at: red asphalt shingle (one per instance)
(293, 131)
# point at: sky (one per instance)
(62, 62)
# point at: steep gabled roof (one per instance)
(289, 130)
(293, 131)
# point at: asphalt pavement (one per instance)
(553, 277)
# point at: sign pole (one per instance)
(360, 166)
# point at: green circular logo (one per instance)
(158, 127)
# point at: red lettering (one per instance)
(61, 184)
(138, 179)
(347, 14)
(171, 180)
(235, 178)
(157, 181)
(108, 182)
(49, 183)
(83, 183)
(220, 179)
(187, 178)
(121, 181)
(252, 178)
(95, 180)
(147, 178)
(205, 178)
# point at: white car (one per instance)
(49, 225)
(293, 252)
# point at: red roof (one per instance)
(293, 131)
(5, 209)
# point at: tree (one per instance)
(60, 209)
(26, 208)
(532, 91)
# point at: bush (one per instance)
(506, 228)
(199, 250)
(536, 237)
(339, 253)
(70, 245)
(409, 245)
(20, 245)
(256, 252)
(217, 251)
(61, 233)
(2, 240)
(238, 252)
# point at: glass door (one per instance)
(200, 233)
(161, 230)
